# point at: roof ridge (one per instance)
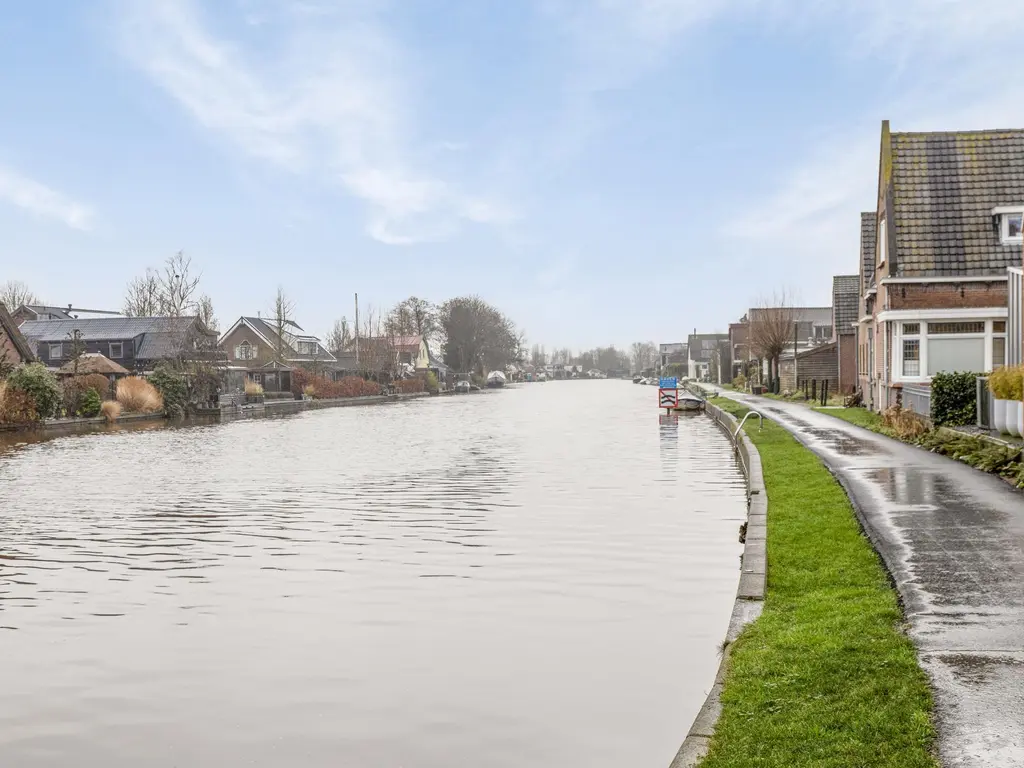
(986, 131)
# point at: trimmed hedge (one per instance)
(954, 399)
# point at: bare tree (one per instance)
(281, 318)
(642, 355)
(414, 317)
(377, 356)
(178, 286)
(340, 337)
(205, 312)
(142, 296)
(771, 330)
(168, 292)
(477, 335)
(538, 356)
(15, 293)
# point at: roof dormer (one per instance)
(1010, 222)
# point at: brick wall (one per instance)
(946, 295)
(847, 363)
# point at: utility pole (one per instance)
(357, 329)
(796, 335)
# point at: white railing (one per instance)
(1014, 332)
(918, 398)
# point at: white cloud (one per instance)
(40, 200)
(326, 95)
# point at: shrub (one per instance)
(89, 404)
(252, 388)
(478, 380)
(136, 395)
(409, 386)
(309, 391)
(111, 409)
(173, 391)
(905, 424)
(1016, 383)
(740, 382)
(999, 383)
(38, 383)
(431, 382)
(99, 382)
(954, 399)
(16, 407)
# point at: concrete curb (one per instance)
(750, 594)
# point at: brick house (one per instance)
(14, 347)
(252, 345)
(845, 298)
(935, 255)
(739, 348)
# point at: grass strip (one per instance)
(825, 677)
(862, 417)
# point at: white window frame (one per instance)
(245, 345)
(882, 246)
(1004, 226)
(986, 316)
(59, 346)
(905, 336)
(120, 354)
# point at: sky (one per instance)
(603, 171)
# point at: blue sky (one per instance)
(602, 170)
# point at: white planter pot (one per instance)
(1013, 415)
(1020, 419)
(1000, 410)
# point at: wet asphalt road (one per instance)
(953, 539)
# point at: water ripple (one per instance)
(539, 576)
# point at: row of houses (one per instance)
(938, 285)
(253, 348)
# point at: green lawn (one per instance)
(862, 417)
(825, 678)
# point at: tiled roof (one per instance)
(868, 238)
(946, 185)
(292, 354)
(8, 326)
(103, 328)
(845, 303)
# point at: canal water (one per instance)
(534, 577)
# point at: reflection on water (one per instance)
(534, 577)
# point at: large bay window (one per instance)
(924, 347)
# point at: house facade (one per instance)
(412, 350)
(673, 352)
(14, 347)
(739, 347)
(138, 344)
(936, 255)
(707, 354)
(253, 345)
(845, 298)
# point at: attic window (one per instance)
(1013, 228)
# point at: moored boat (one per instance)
(495, 379)
(689, 403)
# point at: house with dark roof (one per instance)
(254, 345)
(936, 255)
(28, 312)
(845, 298)
(137, 343)
(14, 347)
